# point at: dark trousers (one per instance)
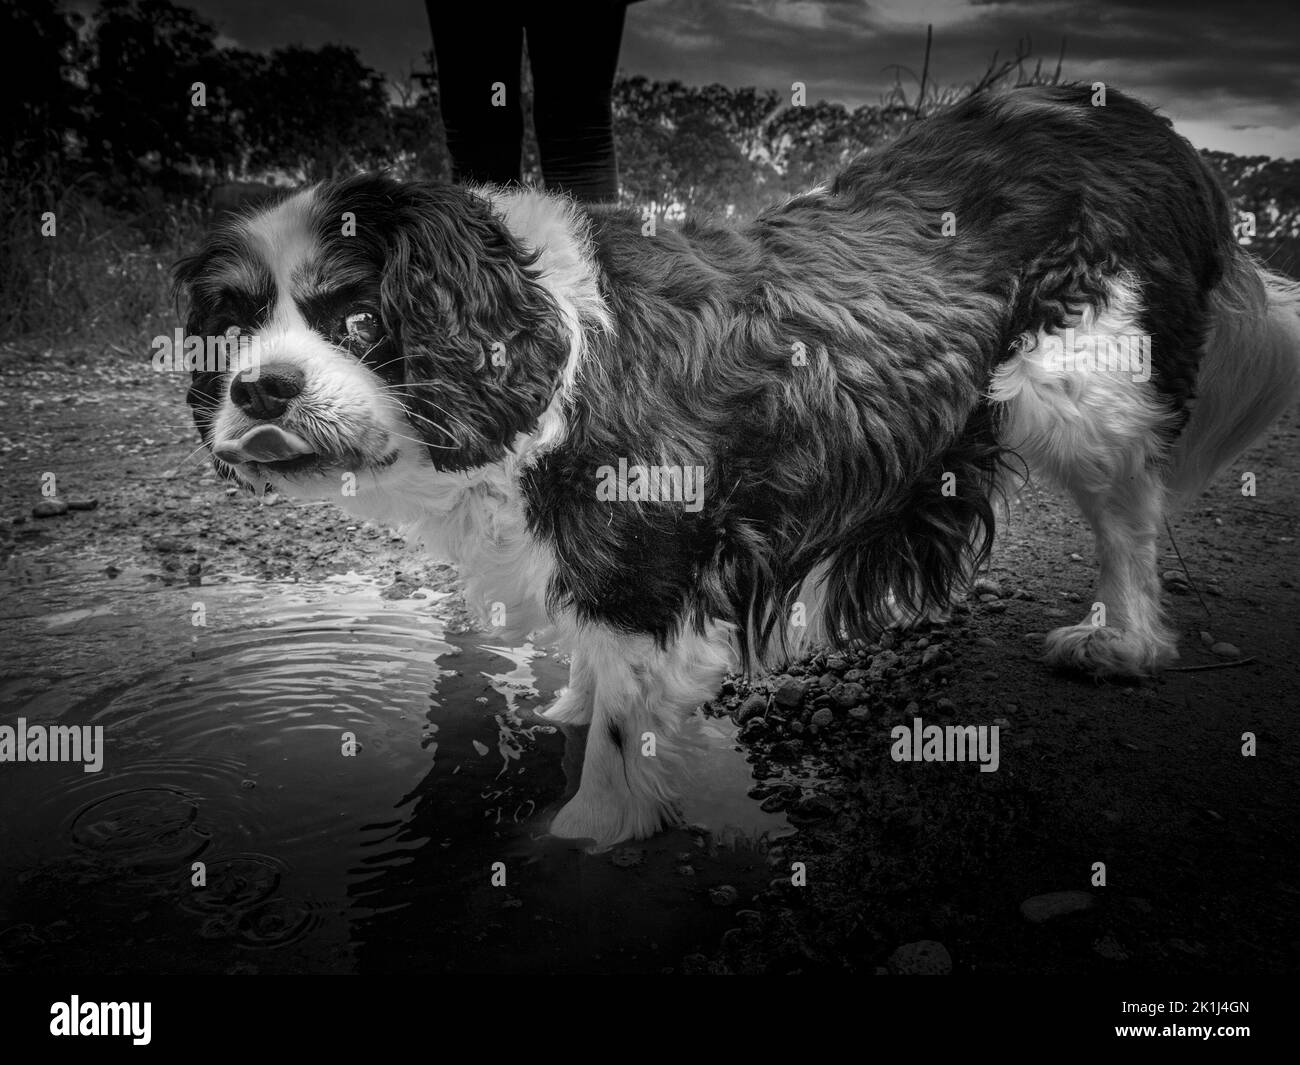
(573, 51)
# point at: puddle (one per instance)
(349, 774)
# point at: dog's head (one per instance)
(380, 326)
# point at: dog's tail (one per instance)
(1249, 375)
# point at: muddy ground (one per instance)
(1199, 843)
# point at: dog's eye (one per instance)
(361, 327)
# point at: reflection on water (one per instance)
(355, 783)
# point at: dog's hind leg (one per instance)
(1124, 633)
(1098, 432)
(640, 697)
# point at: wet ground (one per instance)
(226, 747)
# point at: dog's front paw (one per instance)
(572, 707)
(610, 819)
(1103, 651)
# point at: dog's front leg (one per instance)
(640, 696)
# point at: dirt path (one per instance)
(1199, 842)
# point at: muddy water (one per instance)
(346, 774)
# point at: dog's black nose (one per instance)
(264, 392)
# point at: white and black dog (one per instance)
(845, 377)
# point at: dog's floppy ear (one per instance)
(482, 343)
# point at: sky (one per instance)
(1226, 71)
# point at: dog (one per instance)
(665, 450)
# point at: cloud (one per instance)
(1190, 57)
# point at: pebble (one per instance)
(789, 692)
(1225, 650)
(1042, 908)
(83, 504)
(627, 857)
(847, 695)
(883, 661)
(1207, 640)
(936, 655)
(49, 508)
(822, 718)
(814, 806)
(987, 586)
(725, 895)
(751, 707)
(858, 713)
(986, 641)
(925, 957)
(1108, 947)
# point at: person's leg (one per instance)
(474, 52)
(573, 76)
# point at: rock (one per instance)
(987, 586)
(858, 713)
(1042, 908)
(1108, 947)
(628, 857)
(1207, 640)
(814, 807)
(925, 957)
(986, 641)
(774, 803)
(847, 695)
(789, 692)
(881, 662)
(995, 606)
(986, 599)
(753, 727)
(725, 895)
(1173, 576)
(855, 676)
(827, 680)
(1225, 650)
(754, 706)
(935, 655)
(822, 718)
(49, 508)
(83, 504)
(837, 663)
